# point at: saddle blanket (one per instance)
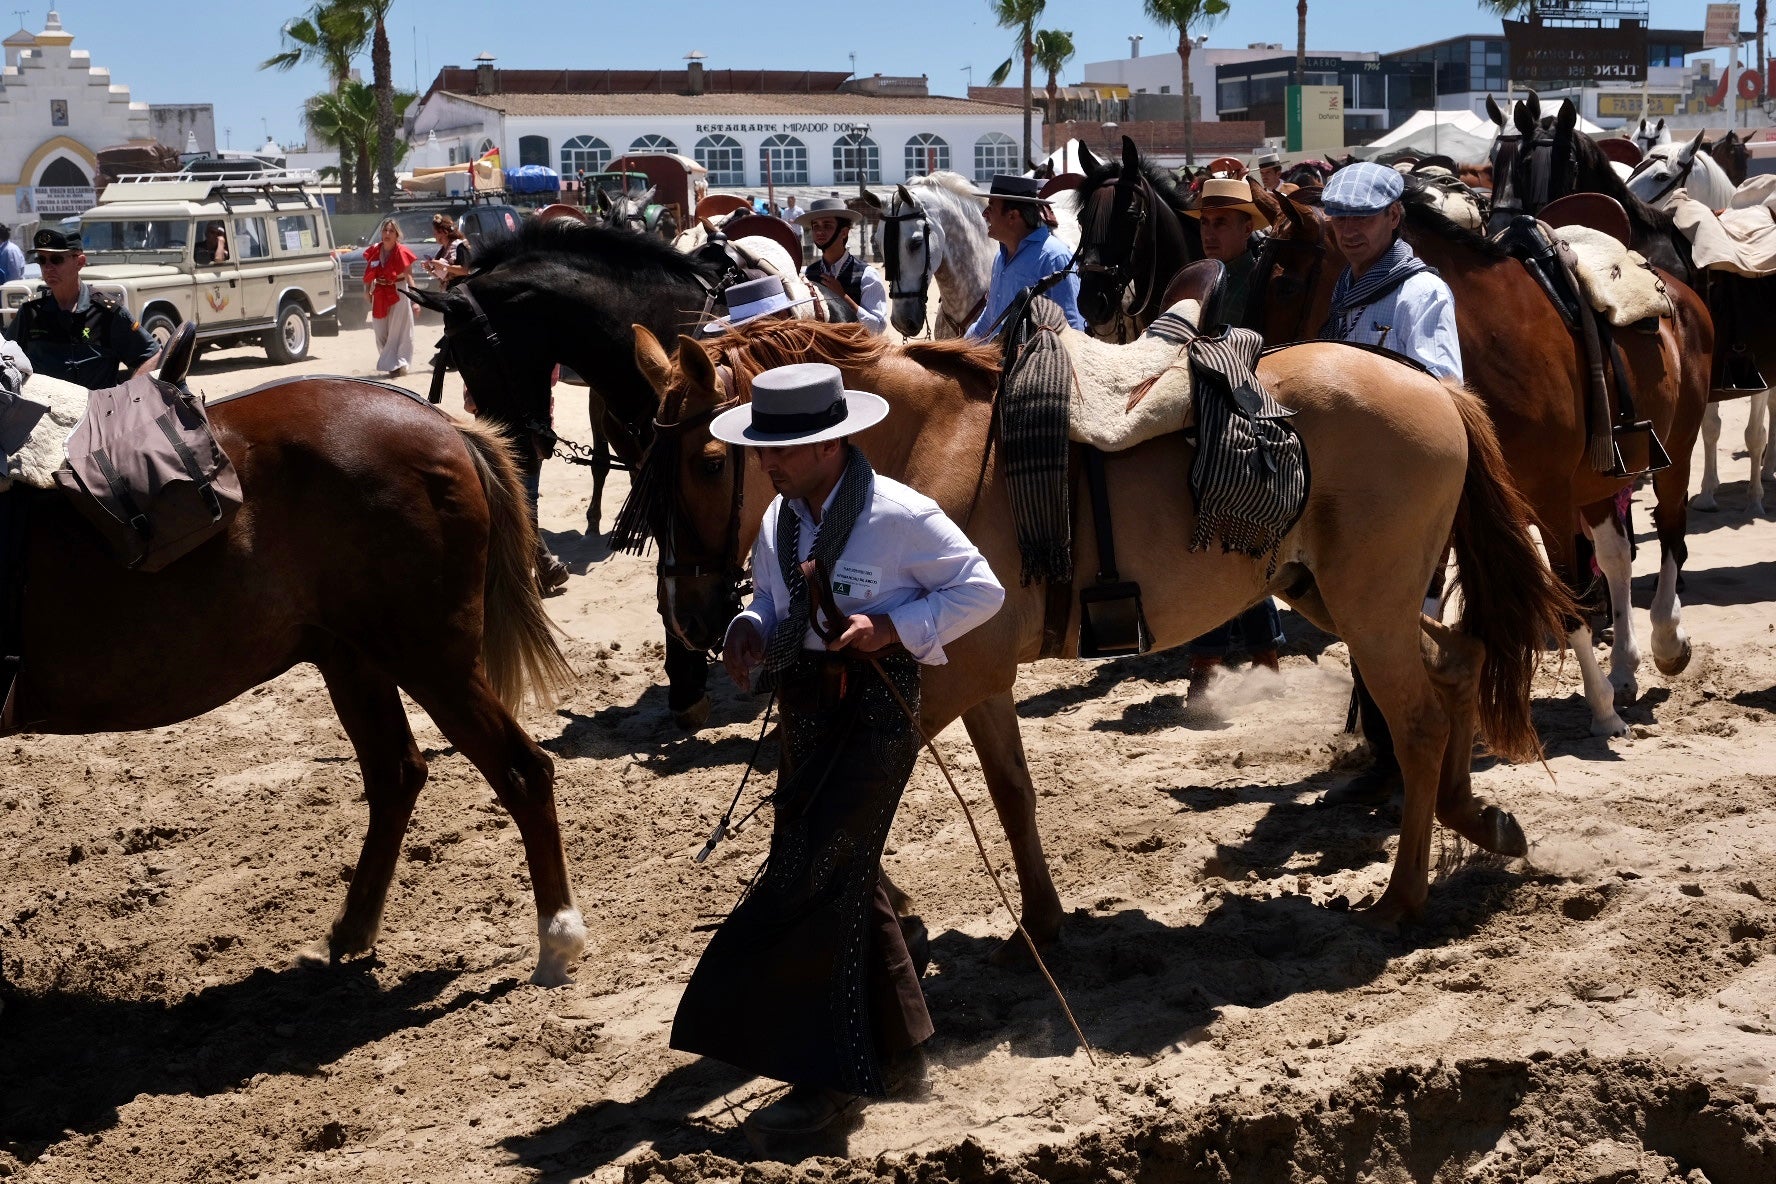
(1617, 281)
(1740, 239)
(47, 448)
(1105, 412)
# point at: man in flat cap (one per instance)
(828, 222)
(72, 332)
(1028, 253)
(1387, 296)
(810, 979)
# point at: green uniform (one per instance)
(98, 344)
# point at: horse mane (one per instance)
(1604, 180)
(1422, 214)
(763, 344)
(948, 179)
(1164, 181)
(609, 249)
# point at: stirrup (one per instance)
(1656, 456)
(1739, 371)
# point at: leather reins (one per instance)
(1131, 301)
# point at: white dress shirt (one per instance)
(905, 559)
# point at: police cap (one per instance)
(49, 238)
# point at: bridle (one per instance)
(1680, 176)
(891, 253)
(1268, 260)
(1112, 241)
(1537, 167)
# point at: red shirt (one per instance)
(384, 295)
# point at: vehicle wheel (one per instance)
(159, 326)
(288, 341)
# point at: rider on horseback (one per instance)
(1028, 253)
(1387, 297)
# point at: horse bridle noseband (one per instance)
(1679, 176)
(1119, 273)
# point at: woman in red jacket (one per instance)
(387, 263)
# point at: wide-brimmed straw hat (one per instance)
(828, 207)
(753, 299)
(1225, 193)
(800, 404)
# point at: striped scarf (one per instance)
(1351, 295)
(855, 488)
(1035, 400)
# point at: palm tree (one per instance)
(1185, 15)
(1054, 49)
(1020, 15)
(329, 35)
(348, 118)
(382, 77)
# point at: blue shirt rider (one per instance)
(1028, 252)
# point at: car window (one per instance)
(470, 225)
(144, 235)
(296, 232)
(249, 239)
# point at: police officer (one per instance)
(72, 332)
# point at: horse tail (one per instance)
(518, 645)
(1511, 601)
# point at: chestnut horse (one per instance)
(381, 541)
(1399, 462)
(1519, 357)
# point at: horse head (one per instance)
(912, 251)
(1665, 169)
(511, 379)
(689, 492)
(1733, 157)
(1116, 205)
(1286, 302)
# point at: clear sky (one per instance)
(197, 51)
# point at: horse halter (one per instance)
(1116, 264)
(1536, 163)
(1679, 177)
(891, 233)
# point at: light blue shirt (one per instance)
(904, 559)
(1416, 319)
(12, 262)
(1041, 254)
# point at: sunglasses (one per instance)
(45, 260)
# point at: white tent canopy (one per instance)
(1460, 135)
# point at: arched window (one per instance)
(652, 144)
(486, 147)
(723, 157)
(62, 171)
(925, 154)
(533, 150)
(783, 160)
(856, 158)
(994, 153)
(587, 153)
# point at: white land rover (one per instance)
(151, 242)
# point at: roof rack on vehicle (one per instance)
(200, 186)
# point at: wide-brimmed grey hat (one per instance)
(753, 299)
(800, 404)
(1011, 187)
(828, 207)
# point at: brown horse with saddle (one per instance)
(379, 539)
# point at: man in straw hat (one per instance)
(1230, 213)
(1028, 253)
(835, 268)
(1269, 167)
(1387, 296)
(810, 980)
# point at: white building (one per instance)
(810, 138)
(1161, 73)
(57, 110)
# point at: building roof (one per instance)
(464, 80)
(724, 105)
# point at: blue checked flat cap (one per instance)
(1361, 189)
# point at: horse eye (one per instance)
(712, 465)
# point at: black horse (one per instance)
(1133, 238)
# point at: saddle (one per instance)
(1554, 266)
(1205, 282)
(765, 226)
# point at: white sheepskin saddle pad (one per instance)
(768, 256)
(1107, 376)
(47, 449)
(1458, 205)
(1617, 281)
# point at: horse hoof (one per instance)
(1014, 952)
(312, 957)
(1503, 835)
(694, 716)
(1627, 693)
(1609, 725)
(1676, 664)
(1385, 915)
(1703, 503)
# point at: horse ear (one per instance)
(1693, 147)
(695, 364)
(1661, 126)
(1131, 156)
(1493, 112)
(1525, 117)
(1087, 161)
(903, 196)
(436, 301)
(870, 198)
(1568, 117)
(651, 360)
